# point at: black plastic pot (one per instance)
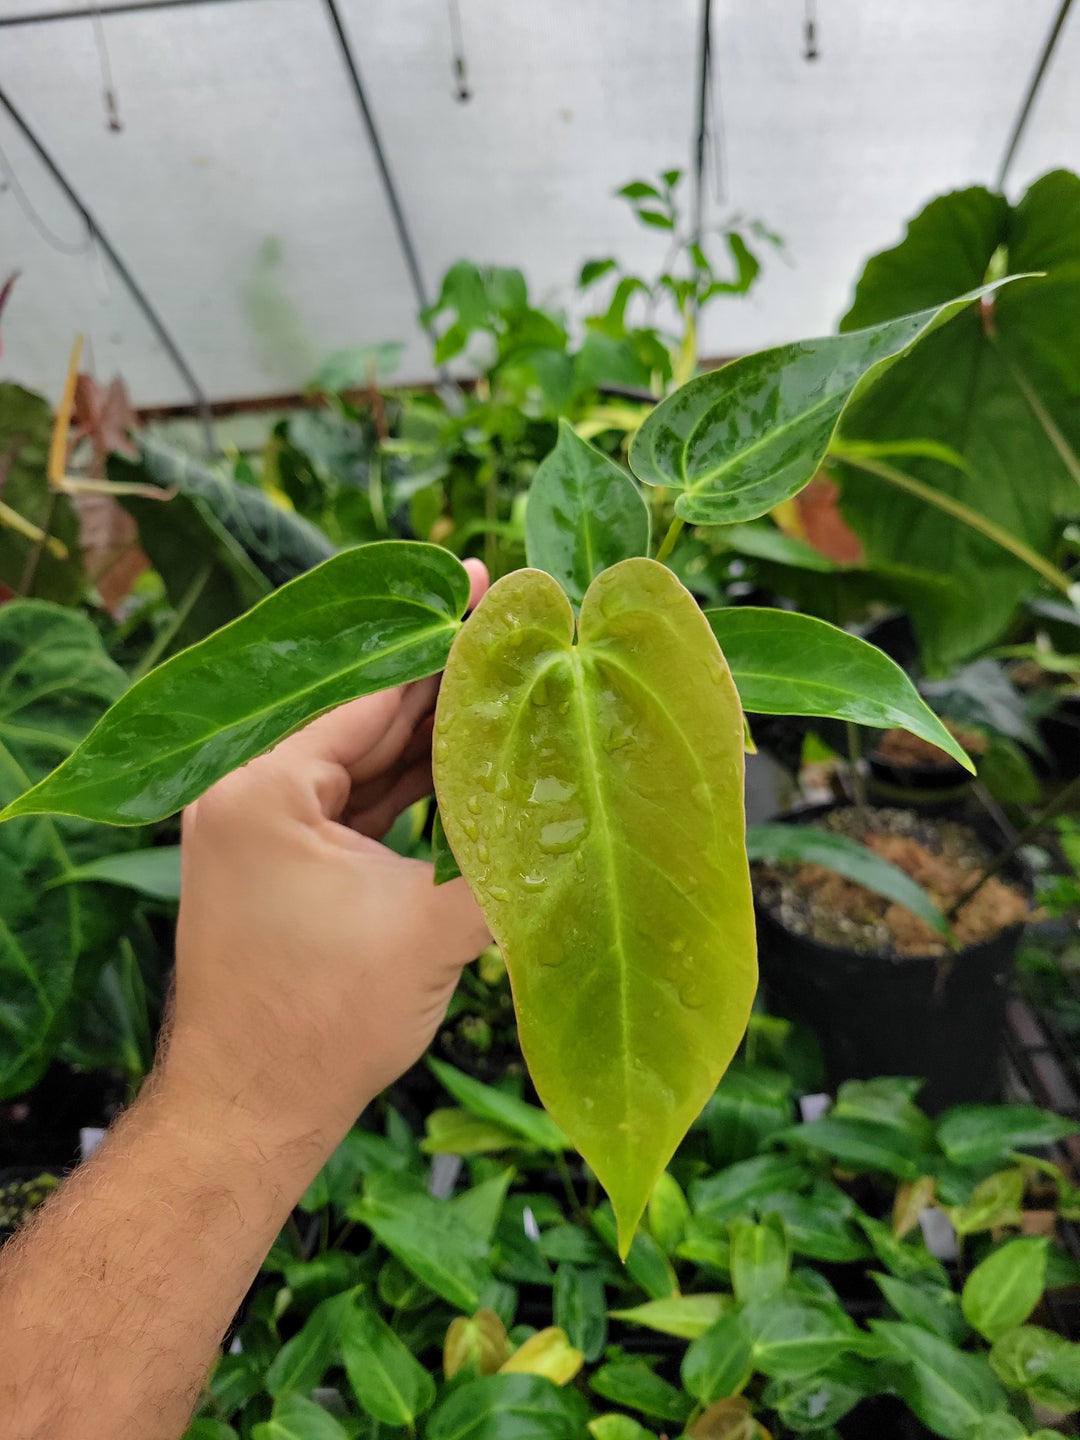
(924, 785)
(939, 1018)
(1060, 733)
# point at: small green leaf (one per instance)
(784, 663)
(805, 844)
(685, 1316)
(509, 1407)
(427, 1237)
(792, 1338)
(498, 1107)
(760, 1258)
(1001, 1426)
(296, 1417)
(207, 1429)
(154, 872)
(668, 1213)
(633, 1384)
(949, 1390)
(737, 441)
(639, 190)
(646, 1263)
(815, 1402)
(818, 1224)
(764, 541)
(618, 1427)
(446, 867)
(976, 1135)
(386, 1379)
(548, 1353)
(1043, 1364)
(860, 1145)
(584, 514)
(728, 1193)
(592, 792)
(456, 1132)
(930, 1305)
(1002, 1290)
(997, 1200)
(371, 617)
(303, 1361)
(720, 1361)
(580, 1309)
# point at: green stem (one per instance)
(568, 1185)
(667, 545)
(1046, 421)
(858, 779)
(1060, 801)
(376, 497)
(180, 615)
(958, 511)
(34, 554)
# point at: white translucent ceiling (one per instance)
(243, 194)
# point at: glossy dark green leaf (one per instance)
(735, 442)
(296, 1417)
(668, 1213)
(584, 514)
(818, 1224)
(427, 1237)
(592, 793)
(55, 682)
(719, 1362)
(371, 617)
(949, 1390)
(509, 1407)
(932, 1306)
(765, 541)
(685, 1316)
(486, 1102)
(457, 1132)
(860, 1145)
(730, 1192)
(390, 1384)
(909, 1258)
(580, 1309)
(784, 663)
(210, 1430)
(633, 1384)
(478, 1209)
(790, 1337)
(774, 844)
(963, 387)
(813, 1403)
(760, 1257)
(646, 1263)
(1002, 1290)
(302, 1362)
(976, 1135)
(154, 872)
(887, 1100)
(749, 1105)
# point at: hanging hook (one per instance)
(112, 109)
(810, 50)
(462, 92)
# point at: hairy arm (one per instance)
(313, 967)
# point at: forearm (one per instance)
(126, 1282)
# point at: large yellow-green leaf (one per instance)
(369, 618)
(590, 784)
(735, 442)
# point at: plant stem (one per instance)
(959, 511)
(42, 540)
(568, 1184)
(667, 545)
(858, 779)
(1063, 798)
(181, 613)
(376, 496)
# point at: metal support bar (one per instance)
(137, 293)
(1032, 92)
(704, 72)
(125, 7)
(408, 250)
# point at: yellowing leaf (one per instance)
(548, 1353)
(478, 1340)
(590, 785)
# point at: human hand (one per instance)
(314, 965)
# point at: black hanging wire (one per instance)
(112, 110)
(702, 138)
(462, 91)
(1032, 92)
(123, 7)
(202, 404)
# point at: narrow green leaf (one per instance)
(456, 1132)
(729, 1192)
(760, 1258)
(860, 1145)
(949, 1390)
(154, 872)
(303, 1361)
(500, 1108)
(976, 1135)
(792, 1338)
(592, 793)
(478, 1209)
(386, 1379)
(426, 1237)
(371, 617)
(997, 1200)
(1002, 1290)
(584, 514)
(633, 1384)
(932, 1306)
(618, 1427)
(668, 1213)
(446, 867)
(685, 1316)
(784, 663)
(819, 1224)
(580, 1308)
(719, 1362)
(805, 844)
(765, 541)
(296, 1417)
(645, 1262)
(509, 1407)
(737, 441)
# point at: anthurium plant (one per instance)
(589, 739)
